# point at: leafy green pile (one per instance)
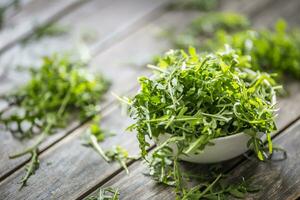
(197, 98)
(203, 5)
(206, 25)
(5, 7)
(60, 90)
(273, 51)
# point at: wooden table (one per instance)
(126, 38)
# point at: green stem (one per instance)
(33, 147)
(31, 167)
(97, 147)
(210, 186)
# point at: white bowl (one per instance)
(224, 148)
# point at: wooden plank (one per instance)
(81, 168)
(137, 186)
(277, 180)
(10, 10)
(132, 10)
(139, 53)
(34, 14)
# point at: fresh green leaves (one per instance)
(60, 90)
(106, 194)
(200, 98)
(195, 99)
(273, 51)
(120, 155)
(94, 135)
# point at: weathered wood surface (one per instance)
(97, 167)
(133, 10)
(70, 171)
(144, 188)
(33, 14)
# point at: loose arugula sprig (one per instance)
(106, 194)
(274, 51)
(60, 90)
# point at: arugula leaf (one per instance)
(205, 26)
(106, 194)
(60, 90)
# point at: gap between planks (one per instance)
(133, 26)
(285, 127)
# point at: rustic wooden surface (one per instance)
(126, 37)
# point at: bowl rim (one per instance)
(225, 137)
(229, 136)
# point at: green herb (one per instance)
(203, 5)
(165, 168)
(59, 91)
(274, 51)
(195, 99)
(270, 50)
(94, 135)
(120, 155)
(207, 25)
(106, 194)
(42, 31)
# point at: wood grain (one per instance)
(144, 188)
(80, 178)
(277, 179)
(145, 46)
(32, 15)
(132, 11)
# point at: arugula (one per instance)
(189, 183)
(274, 51)
(60, 90)
(196, 98)
(106, 194)
(205, 26)
(4, 8)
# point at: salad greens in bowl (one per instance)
(195, 102)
